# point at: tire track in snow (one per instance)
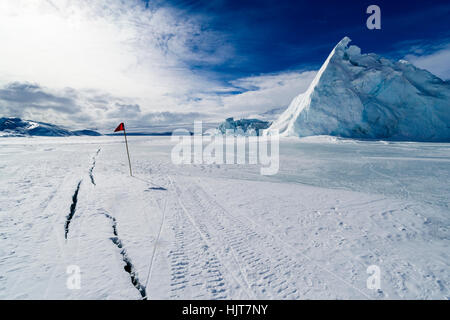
(129, 267)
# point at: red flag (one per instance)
(120, 127)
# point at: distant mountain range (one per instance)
(16, 127)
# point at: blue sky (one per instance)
(272, 36)
(94, 63)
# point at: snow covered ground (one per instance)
(335, 208)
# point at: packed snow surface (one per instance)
(367, 96)
(335, 208)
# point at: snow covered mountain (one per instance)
(19, 127)
(358, 95)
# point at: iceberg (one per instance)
(251, 127)
(366, 96)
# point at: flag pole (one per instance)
(128, 153)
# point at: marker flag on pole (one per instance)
(121, 127)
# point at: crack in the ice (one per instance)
(91, 175)
(73, 208)
(129, 267)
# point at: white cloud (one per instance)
(267, 92)
(113, 46)
(116, 60)
(252, 96)
(437, 62)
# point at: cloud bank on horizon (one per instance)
(92, 64)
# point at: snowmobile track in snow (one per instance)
(244, 247)
(269, 266)
(289, 259)
(194, 261)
